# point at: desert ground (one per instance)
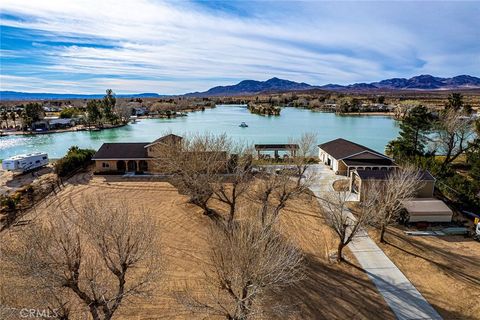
(11, 182)
(446, 270)
(328, 291)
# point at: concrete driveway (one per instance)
(403, 298)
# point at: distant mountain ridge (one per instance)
(252, 86)
(14, 95)
(247, 87)
(422, 82)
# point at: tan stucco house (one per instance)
(137, 157)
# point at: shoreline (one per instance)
(182, 113)
(72, 129)
(383, 114)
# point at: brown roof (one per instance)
(129, 150)
(341, 148)
(276, 146)
(383, 175)
(168, 137)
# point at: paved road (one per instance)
(400, 294)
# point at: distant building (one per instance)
(54, 123)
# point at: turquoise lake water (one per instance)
(371, 131)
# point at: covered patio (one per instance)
(264, 151)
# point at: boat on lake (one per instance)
(243, 125)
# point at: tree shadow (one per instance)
(449, 261)
(336, 291)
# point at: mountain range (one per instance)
(422, 82)
(15, 95)
(252, 86)
(247, 87)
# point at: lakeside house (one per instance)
(148, 157)
(137, 157)
(365, 166)
(344, 157)
(54, 123)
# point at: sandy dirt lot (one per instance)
(446, 270)
(329, 290)
(10, 182)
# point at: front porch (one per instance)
(122, 166)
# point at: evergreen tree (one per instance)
(473, 157)
(413, 134)
(93, 112)
(33, 113)
(455, 101)
(109, 102)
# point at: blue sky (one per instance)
(171, 47)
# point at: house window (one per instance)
(105, 165)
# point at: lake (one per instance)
(372, 131)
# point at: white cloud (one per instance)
(172, 48)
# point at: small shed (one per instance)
(430, 210)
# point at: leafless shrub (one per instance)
(96, 256)
(248, 263)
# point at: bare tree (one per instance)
(230, 189)
(124, 112)
(97, 256)
(400, 185)
(403, 107)
(455, 135)
(345, 225)
(277, 185)
(304, 157)
(274, 191)
(247, 265)
(194, 164)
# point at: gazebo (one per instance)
(276, 148)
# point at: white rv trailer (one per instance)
(25, 162)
